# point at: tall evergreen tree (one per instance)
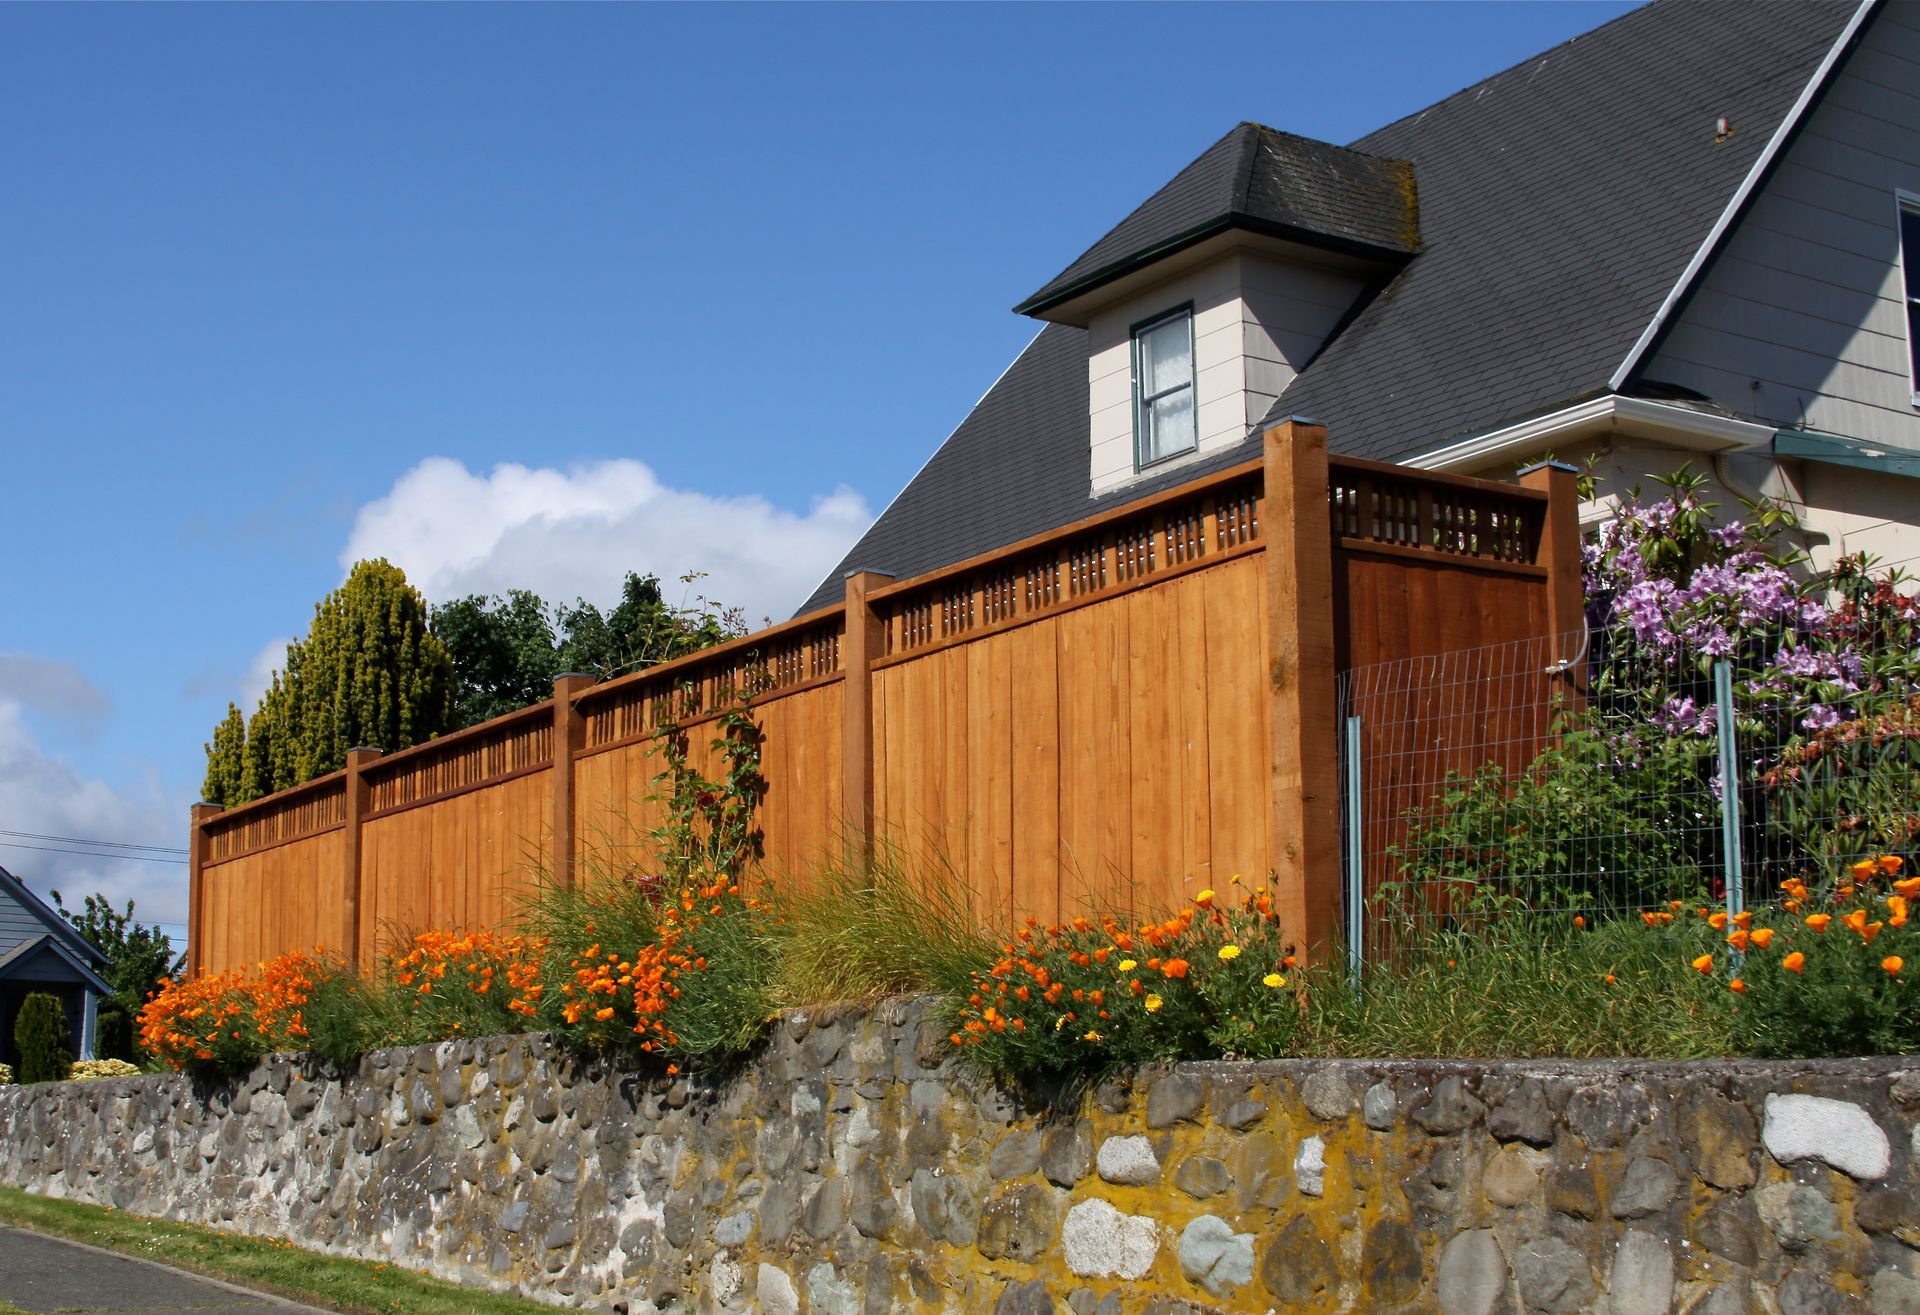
(227, 761)
(369, 671)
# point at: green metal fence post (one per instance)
(1356, 923)
(1729, 786)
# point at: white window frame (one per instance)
(1908, 265)
(1142, 400)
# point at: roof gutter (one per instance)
(1789, 126)
(1680, 426)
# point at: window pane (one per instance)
(1166, 357)
(1913, 340)
(1169, 426)
(1910, 248)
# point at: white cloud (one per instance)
(253, 686)
(51, 689)
(577, 532)
(43, 795)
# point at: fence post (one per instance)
(1560, 551)
(1729, 787)
(197, 886)
(865, 641)
(1356, 857)
(1305, 776)
(569, 738)
(359, 938)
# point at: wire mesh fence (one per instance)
(1589, 775)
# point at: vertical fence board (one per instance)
(1034, 733)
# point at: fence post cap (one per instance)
(1549, 465)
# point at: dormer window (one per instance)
(1163, 421)
(1910, 272)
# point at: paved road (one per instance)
(45, 1274)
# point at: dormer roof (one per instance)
(1262, 181)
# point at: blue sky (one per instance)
(525, 295)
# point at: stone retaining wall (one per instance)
(851, 1170)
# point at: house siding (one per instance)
(16, 924)
(1257, 320)
(1800, 321)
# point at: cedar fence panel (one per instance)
(1118, 712)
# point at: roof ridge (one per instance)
(1250, 158)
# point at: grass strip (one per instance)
(332, 1282)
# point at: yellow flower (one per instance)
(1153, 1003)
(1274, 980)
(1228, 953)
(1128, 965)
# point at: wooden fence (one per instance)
(1128, 708)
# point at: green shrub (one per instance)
(40, 1035)
(1850, 790)
(1594, 819)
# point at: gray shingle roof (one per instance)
(1559, 202)
(1259, 179)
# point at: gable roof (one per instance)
(15, 891)
(1560, 203)
(1264, 181)
(16, 960)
